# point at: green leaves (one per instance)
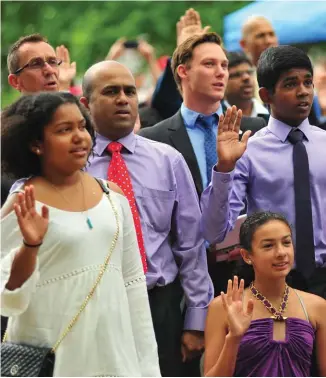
(89, 28)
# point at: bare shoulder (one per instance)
(115, 188)
(312, 299)
(316, 306)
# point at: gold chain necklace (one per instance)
(88, 220)
(277, 315)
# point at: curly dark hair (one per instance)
(23, 123)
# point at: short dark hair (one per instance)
(236, 58)
(274, 61)
(253, 222)
(23, 123)
(184, 52)
(13, 53)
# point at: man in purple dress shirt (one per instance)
(169, 211)
(263, 171)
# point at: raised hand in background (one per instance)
(146, 50)
(67, 69)
(189, 25)
(116, 49)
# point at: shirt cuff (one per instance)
(221, 177)
(195, 319)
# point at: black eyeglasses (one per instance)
(39, 63)
(238, 74)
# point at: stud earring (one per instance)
(249, 262)
(37, 151)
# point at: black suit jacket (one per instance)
(172, 131)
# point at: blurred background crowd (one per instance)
(142, 34)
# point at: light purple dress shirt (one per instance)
(170, 218)
(264, 175)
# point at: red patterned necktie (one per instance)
(118, 173)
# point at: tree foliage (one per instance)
(89, 28)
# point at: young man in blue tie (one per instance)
(200, 68)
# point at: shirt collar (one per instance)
(281, 130)
(258, 108)
(190, 116)
(128, 142)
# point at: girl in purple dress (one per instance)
(267, 329)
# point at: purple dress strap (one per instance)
(261, 356)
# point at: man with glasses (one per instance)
(34, 66)
(240, 90)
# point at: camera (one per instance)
(131, 44)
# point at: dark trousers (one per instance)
(220, 272)
(314, 285)
(168, 326)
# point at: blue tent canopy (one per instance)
(295, 22)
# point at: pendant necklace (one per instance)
(88, 220)
(276, 315)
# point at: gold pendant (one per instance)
(276, 318)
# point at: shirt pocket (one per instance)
(157, 208)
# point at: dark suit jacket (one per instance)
(172, 131)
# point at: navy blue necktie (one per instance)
(305, 247)
(207, 123)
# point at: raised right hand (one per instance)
(67, 69)
(238, 318)
(33, 226)
(229, 148)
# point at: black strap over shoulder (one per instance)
(103, 184)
